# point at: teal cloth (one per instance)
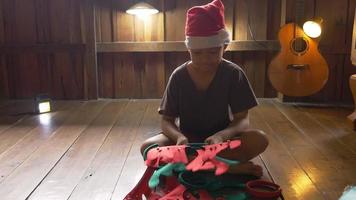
(166, 170)
(231, 187)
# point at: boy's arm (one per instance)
(171, 130)
(240, 123)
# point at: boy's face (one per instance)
(206, 58)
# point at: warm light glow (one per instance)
(312, 29)
(44, 107)
(142, 10)
(301, 183)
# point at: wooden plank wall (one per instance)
(261, 16)
(40, 22)
(144, 75)
(130, 75)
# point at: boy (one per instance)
(204, 92)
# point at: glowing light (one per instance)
(301, 183)
(44, 107)
(45, 119)
(312, 29)
(142, 10)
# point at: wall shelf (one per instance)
(40, 48)
(179, 46)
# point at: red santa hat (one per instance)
(205, 26)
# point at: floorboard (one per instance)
(100, 179)
(90, 150)
(50, 122)
(25, 178)
(62, 180)
(281, 164)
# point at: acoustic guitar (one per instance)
(298, 69)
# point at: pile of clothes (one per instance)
(194, 171)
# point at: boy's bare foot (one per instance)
(246, 168)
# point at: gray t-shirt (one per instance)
(203, 113)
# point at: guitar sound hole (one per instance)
(299, 45)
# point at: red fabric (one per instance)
(141, 187)
(181, 193)
(173, 154)
(166, 154)
(205, 20)
(176, 194)
(206, 157)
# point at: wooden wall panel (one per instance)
(41, 22)
(43, 37)
(3, 72)
(123, 21)
(334, 30)
(103, 15)
(25, 21)
(175, 28)
(27, 77)
(59, 27)
(66, 66)
(74, 22)
(106, 77)
(65, 76)
(230, 17)
(4, 91)
(172, 61)
(153, 75)
(348, 68)
(144, 75)
(127, 77)
(240, 16)
(275, 19)
(135, 75)
(2, 25)
(25, 65)
(250, 26)
(175, 32)
(9, 20)
(88, 34)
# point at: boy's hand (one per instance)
(214, 139)
(182, 140)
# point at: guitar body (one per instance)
(298, 69)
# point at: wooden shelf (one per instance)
(40, 48)
(179, 46)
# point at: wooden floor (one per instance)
(90, 150)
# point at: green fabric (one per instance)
(147, 149)
(229, 186)
(208, 181)
(166, 170)
(240, 196)
(227, 161)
